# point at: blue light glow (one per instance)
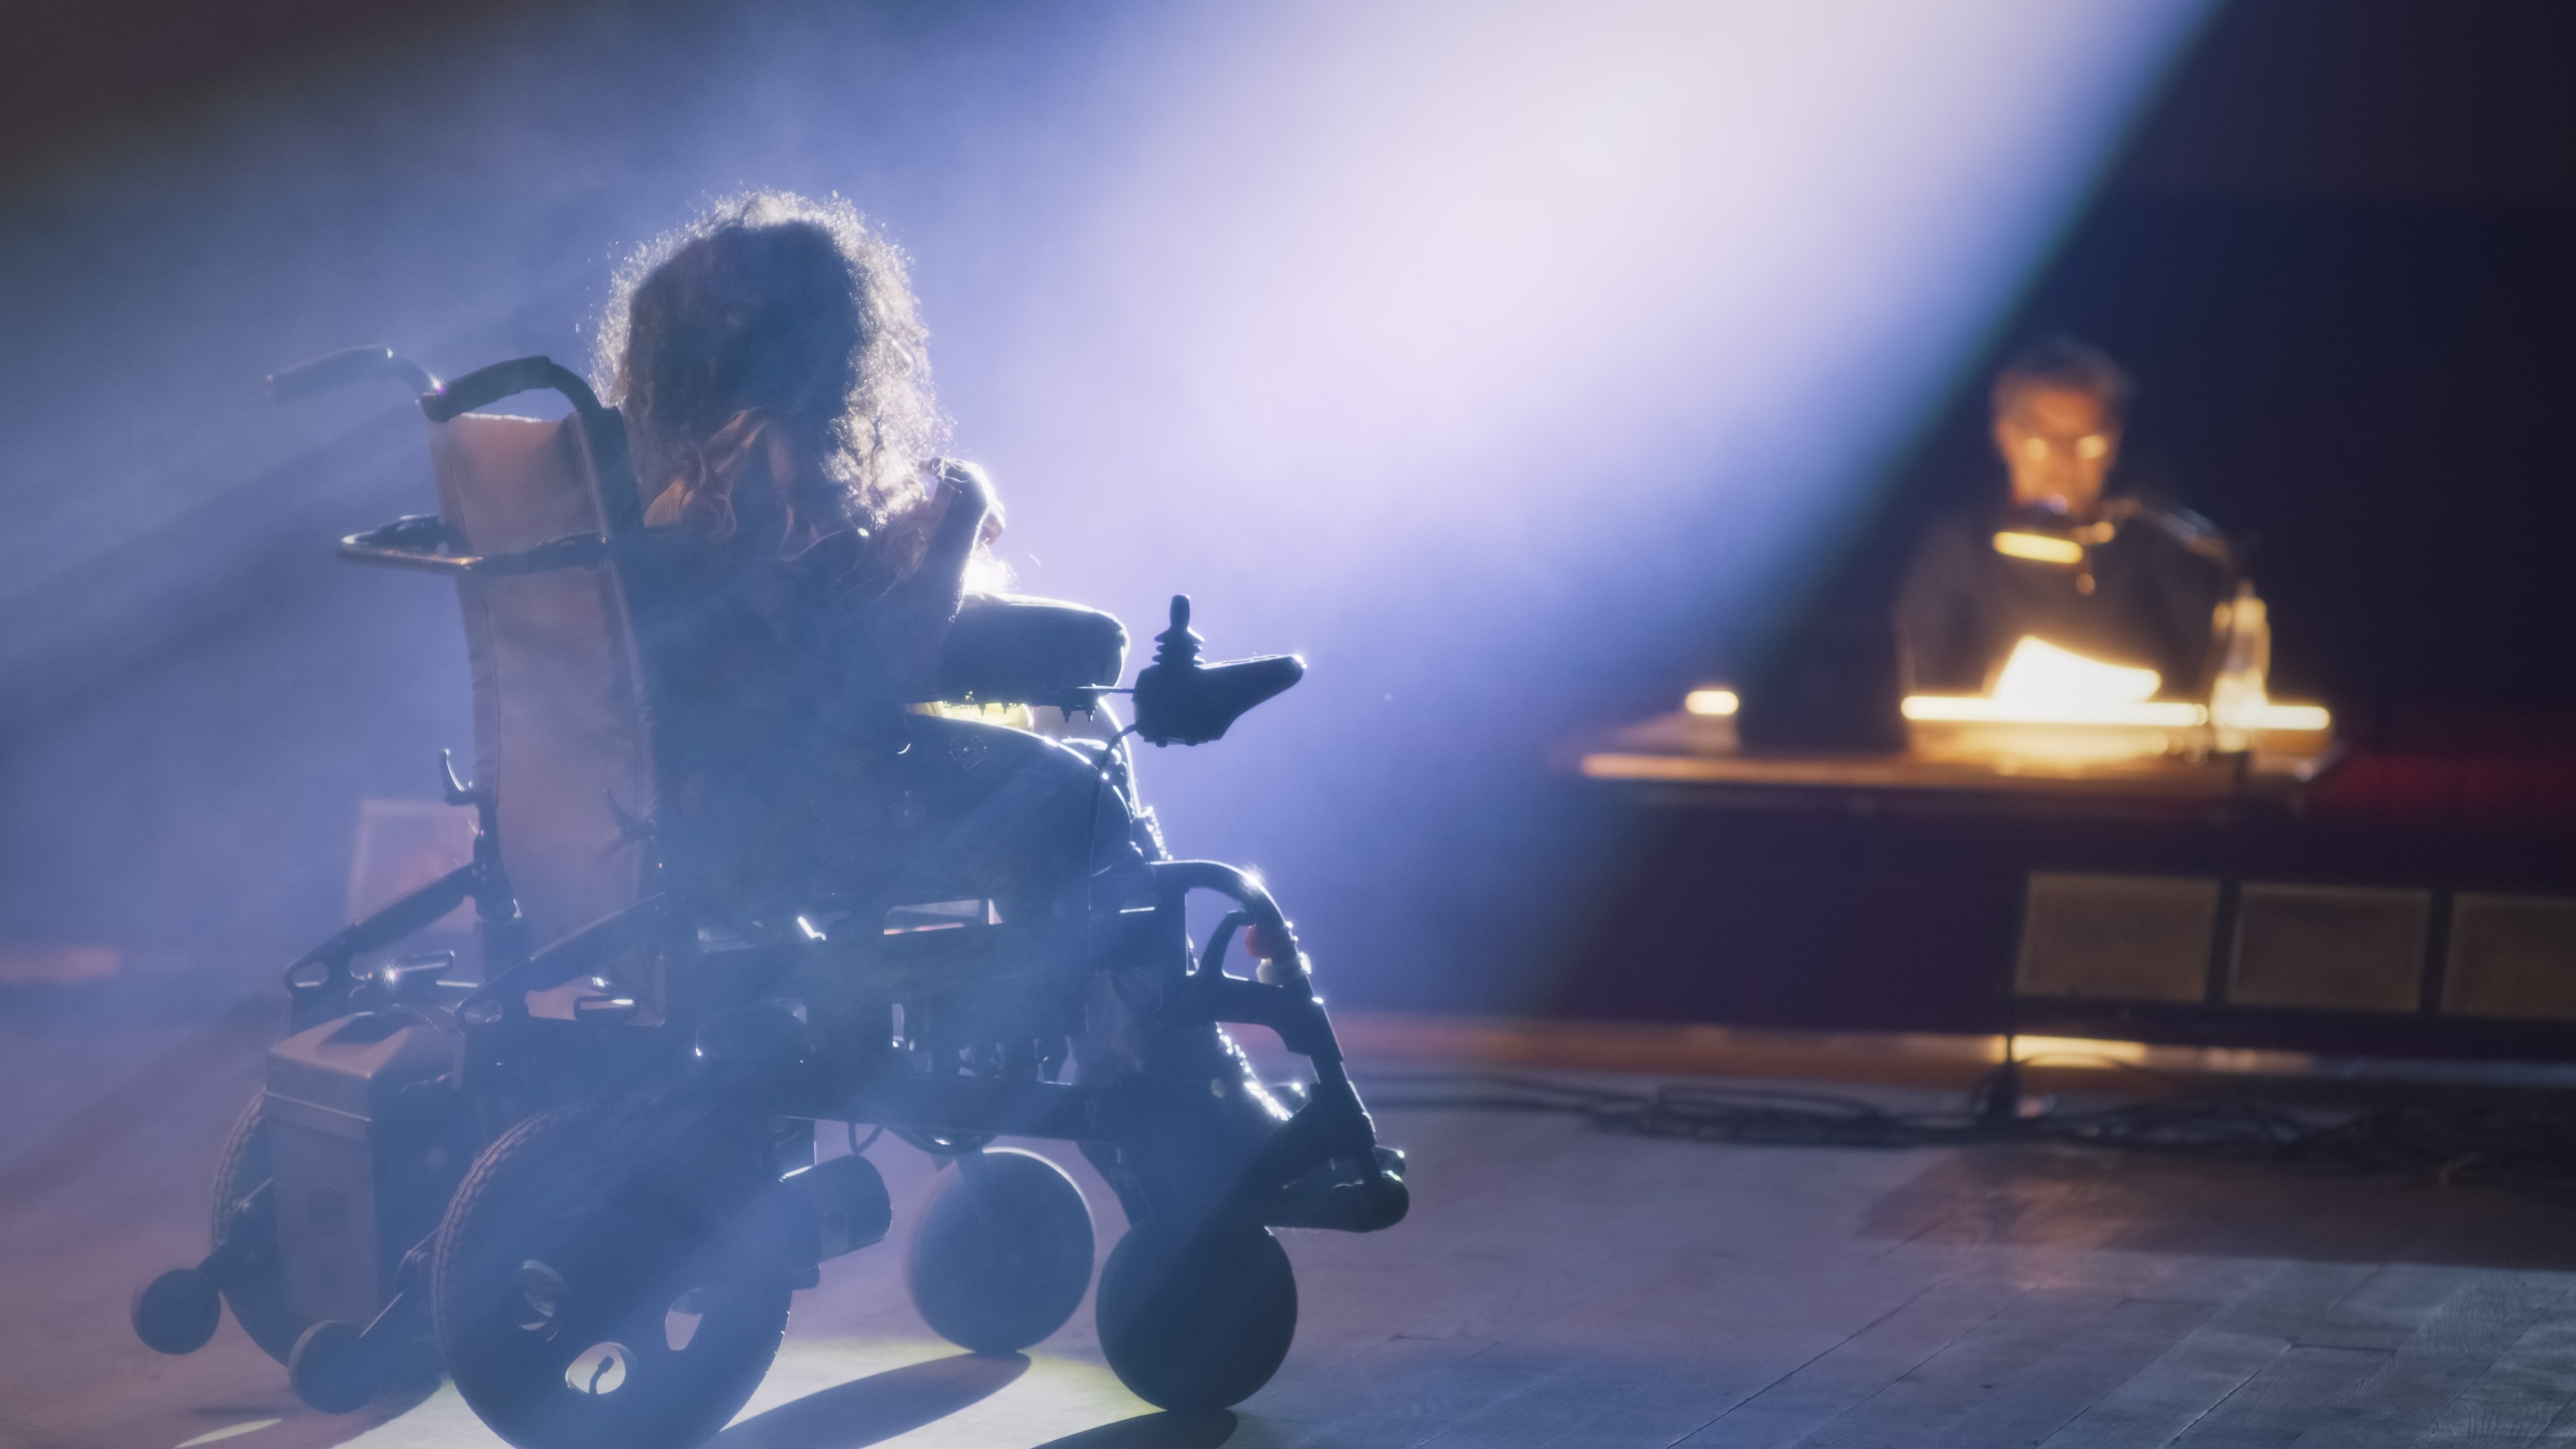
(1501, 358)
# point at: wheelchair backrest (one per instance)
(564, 692)
(562, 731)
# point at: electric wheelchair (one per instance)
(587, 1184)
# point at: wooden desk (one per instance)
(1992, 764)
(1888, 893)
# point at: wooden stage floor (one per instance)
(1555, 1286)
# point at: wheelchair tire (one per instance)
(1197, 1322)
(257, 1293)
(591, 1284)
(1001, 1251)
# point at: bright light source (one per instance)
(1981, 709)
(1710, 701)
(2145, 714)
(2040, 548)
(2041, 673)
(2293, 717)
(2032, 1048)
(2044, 684)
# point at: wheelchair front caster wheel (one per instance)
(177, 1312)
(331, 1371)
(1001, 1253)
(1197, 1322)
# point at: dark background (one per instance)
(2340, 258)
(2338, 254)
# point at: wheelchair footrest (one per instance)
(1340, 1196)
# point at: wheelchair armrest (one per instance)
(419, 542)
(1014, 649)
(414, 541)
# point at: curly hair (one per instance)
(777, 335)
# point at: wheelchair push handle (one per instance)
(485, 386)
(439, 401)
(348, 366)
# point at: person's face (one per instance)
(2059, 444)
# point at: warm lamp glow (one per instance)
(2145, 714)
(2081, 1048)
(2292, 717)
(2040, 548)
(2041, 673)
(1980, 709)
(2042, 684)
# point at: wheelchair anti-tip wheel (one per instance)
(1199, 1321)
(1001, 1251)
(596, 1283)
(177, 1311)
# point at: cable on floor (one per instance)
(2446, 1141)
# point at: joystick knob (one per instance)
(1180, 701)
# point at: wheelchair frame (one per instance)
(720, 1040)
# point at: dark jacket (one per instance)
(1964, 604)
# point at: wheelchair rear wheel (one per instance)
(1001, 1252)
(1199, 1321)
(595, 1282)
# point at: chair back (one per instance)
(562, 731)
(564, 693)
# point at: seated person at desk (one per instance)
(2100, 573)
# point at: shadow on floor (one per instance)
(878, 1407)
(1153, 1431)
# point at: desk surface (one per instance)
(2009, 761)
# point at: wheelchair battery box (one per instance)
(366, 1146)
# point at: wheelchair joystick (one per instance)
(1180, 701)
(1178, 646)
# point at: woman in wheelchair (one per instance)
(773, 372)
(837, 897)
(771, 369)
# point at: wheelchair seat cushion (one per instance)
(1013, 649)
